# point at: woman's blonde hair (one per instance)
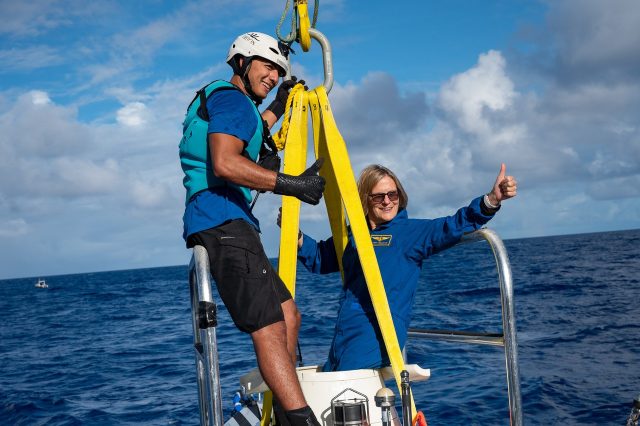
(369, 177)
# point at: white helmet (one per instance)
(261, 45)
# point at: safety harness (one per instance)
(195, 157)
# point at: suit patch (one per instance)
(381, 240)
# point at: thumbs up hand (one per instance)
(504, 188)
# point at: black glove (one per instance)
(269, 160)
(280, 102)
(307, 187)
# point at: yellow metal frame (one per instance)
(342, 201)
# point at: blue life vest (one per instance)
(195, 157)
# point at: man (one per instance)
(220, 169)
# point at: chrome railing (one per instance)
(508, 336)
(203, 315)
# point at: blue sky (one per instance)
(92, 95)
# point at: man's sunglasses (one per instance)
(379, 198)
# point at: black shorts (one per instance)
(248, 285)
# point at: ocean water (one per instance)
(115, 348)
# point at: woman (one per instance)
(401, 245)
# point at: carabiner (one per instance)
(326, 58)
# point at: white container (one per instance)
(320, 388)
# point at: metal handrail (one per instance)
(508, 336)
(203, 310)
(493, 339)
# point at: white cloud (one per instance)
(80, 177)
(484, 88)
(40, 98)
(148, 194)
(133, 114)
(35, 126)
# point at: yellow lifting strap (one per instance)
(304, 25)
(280, 137)
(294, 163)
(341, 169)
(295, 158)
(332, 199)
(341, 195)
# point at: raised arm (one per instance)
(444, 232)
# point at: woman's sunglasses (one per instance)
(379, 198)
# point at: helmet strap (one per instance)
(244, 73)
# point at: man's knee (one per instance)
(271, 330)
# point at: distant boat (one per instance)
(42, 283)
